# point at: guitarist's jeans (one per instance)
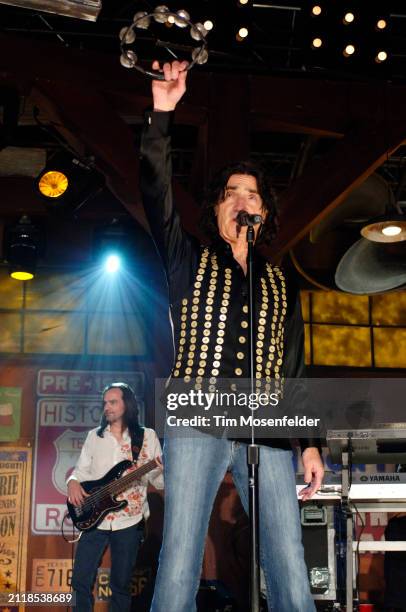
(124, 545)
(194, 469)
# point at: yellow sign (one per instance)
(15, 489)
(139, 580)
(51, 575)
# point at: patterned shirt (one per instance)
(99, 455)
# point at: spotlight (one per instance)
(316, 10)
(68, 182)
(114, 246)
(23, 244)
(348, 18)
(52, 183)
(381, 24)
(349, 50)
(208, 25)
(317, 43)
(381, 56)
(112, 263)
(242, 34)
(243, 2)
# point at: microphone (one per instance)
(244, 218)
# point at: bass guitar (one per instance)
(102, 494)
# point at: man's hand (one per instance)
(313, 472)
(166, 94)
(76, 494)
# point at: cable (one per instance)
(75, 539)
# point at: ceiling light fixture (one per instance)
(389, 228)
(348, 18)
(349, 51)
(23, 244)
(381, 56)
(67, 182)
(317, 43)
(53, 183)
(242, 34)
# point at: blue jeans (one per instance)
(194, 469)
(124, 545)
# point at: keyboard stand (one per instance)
(345, 490)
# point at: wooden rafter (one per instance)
(90, 95)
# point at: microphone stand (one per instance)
(252, 449)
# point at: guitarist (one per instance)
(118, 437)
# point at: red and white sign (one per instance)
(69, 404)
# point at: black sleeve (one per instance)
(294, 364)
(176, 248)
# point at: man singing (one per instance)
(209, 306)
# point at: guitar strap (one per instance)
(137, 440)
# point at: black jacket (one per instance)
(208, 294)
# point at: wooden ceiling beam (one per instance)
(328, 180)
(85, 93)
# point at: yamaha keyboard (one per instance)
(385, 443)
(377, 487)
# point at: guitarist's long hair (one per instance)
(130, 417)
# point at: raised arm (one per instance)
(156, 168)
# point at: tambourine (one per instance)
(161, 14)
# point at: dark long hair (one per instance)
(216, 192)
(130, 417)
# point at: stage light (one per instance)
(349, 50)
(317, 43)
(381, 24)
(23, 243)
(53, 183)
(242, 34)
(381, 56)
(348, 18)
(68, 183)
(316, 10)
(114, 247)
(243, 2)
(208, 25)
(112, 263)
